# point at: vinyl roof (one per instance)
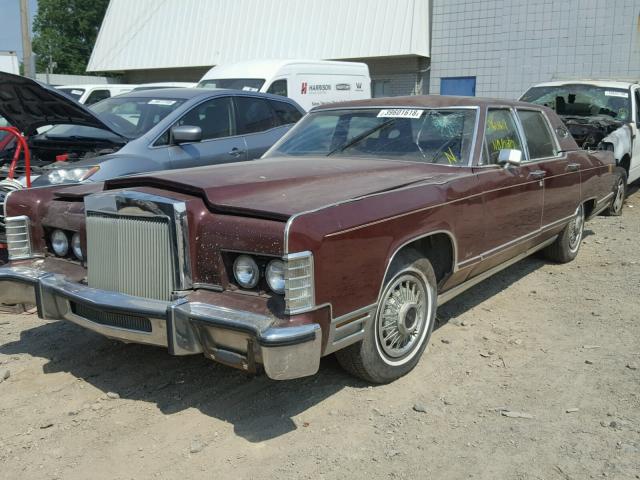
(152, 34)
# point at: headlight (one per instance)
(246, 271)
(275, 275)
(59, 243)
(71, 175)
(76, 247)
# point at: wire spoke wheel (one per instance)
(576, 228)
(403, 316)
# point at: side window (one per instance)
(96, 96)
(254, 115)
(285, 112)
(538, 135)
(637, 119)
(279, 87)
(500, 133)
(214, 117)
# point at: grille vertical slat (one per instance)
(130, 254)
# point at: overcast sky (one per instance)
(10, 24)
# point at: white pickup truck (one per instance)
(599, 114)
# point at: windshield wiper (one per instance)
(362, 136)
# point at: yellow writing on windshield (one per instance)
(503, 144)
(451, 157)
(496, 125)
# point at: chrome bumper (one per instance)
(237, 338)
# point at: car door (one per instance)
(634, 166)
(561, 172)
(259, 123)
(512, 194)
(219, 144)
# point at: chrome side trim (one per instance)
(510, 243)
(605, 198)
(457, 290)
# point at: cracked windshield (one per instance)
(442, 136)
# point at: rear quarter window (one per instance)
(540, 141)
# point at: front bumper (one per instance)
(241, 339)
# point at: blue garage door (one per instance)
(465, 86)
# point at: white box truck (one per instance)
(308, 82)
(9, 62)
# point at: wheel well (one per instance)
(589, 206)
(625, 163)
(438, 248)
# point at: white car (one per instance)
(90, 94)
(599, 114)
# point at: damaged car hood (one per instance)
(28, 105)
(281, 187)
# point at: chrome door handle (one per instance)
(537, 174)
(573, 167)
(236, 152)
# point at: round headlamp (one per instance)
(76, 247)
(246, 271)
(275, 276)
(59, 243)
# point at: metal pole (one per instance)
(26, 40)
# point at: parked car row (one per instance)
(343, 238)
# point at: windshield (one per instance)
(442, 136)
(246, 84)
(74, 93)
(582, 100)
(130, 117)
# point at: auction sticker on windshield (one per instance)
(158, 101)
(612, 93)
(400, 113)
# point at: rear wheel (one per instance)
(619, 192)
(566, 246)
(398, 334)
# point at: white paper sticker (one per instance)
(77, 92)
(157, 101)
(400, 113)
(611, 93)
(249, 89)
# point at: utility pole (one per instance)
(27, 58)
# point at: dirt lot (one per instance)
(533, 374)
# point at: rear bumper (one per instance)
(241, 339)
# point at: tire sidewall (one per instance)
(373, 360)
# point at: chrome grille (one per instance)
(130, 254)
(18, 237)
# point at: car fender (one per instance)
(621, 141)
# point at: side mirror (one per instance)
(185, 134)
(509, 156)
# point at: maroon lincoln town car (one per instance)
(344, 238)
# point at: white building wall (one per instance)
(153, 34)
(510, 45)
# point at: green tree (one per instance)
(64, 32)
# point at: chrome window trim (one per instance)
(128, 202)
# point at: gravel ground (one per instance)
(533, 374)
